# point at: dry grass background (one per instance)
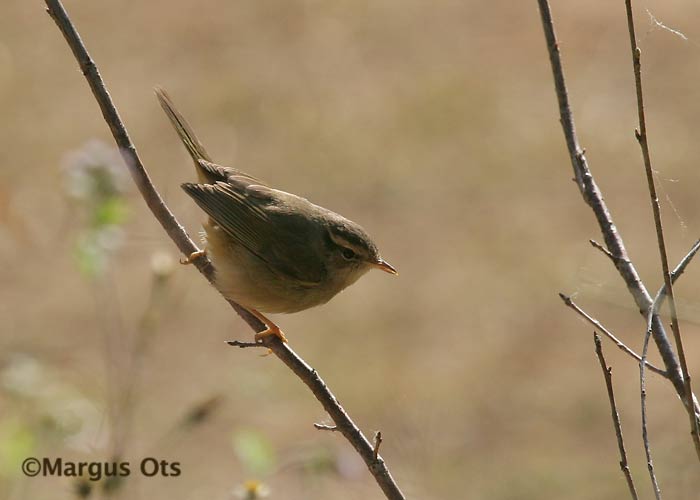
(434, 125)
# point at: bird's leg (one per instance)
(270, 328)
(193, 256)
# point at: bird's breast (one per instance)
(248, 280)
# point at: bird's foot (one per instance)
(193, 256)
(272, 330)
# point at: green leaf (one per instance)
(89, 256)
(112, 211)
(254, 451)
(16, 444)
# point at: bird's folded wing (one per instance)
(245, 211)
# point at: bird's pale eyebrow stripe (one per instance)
(346, 239)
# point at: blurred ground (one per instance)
(434, 125)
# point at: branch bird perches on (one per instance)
(375, 463)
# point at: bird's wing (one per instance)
(256, 217)
(215, 173)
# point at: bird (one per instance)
(272, 251)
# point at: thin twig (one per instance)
(607, 374)
(643, 391)
(675, 274)
(243, 345)
(641, 134)
(598, 325)
(680, 268)
(301, 369)
(377, 443)
(324, 427)
(653, 312)
(593, 197)
(605, 251)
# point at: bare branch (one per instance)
(594, 198)
(641, 134)
(653, 312)
(301, 369)
(567, 300)
(607, 374)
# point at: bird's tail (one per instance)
(183, 129)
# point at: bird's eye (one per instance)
(348, 254)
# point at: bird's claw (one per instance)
(192, 257)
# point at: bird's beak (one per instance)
(385, 266)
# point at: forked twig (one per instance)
(614, 248)
(641, 134)
(653, 312)
(599, 326)
(607, 374)
(301, 369)
(593, 197)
